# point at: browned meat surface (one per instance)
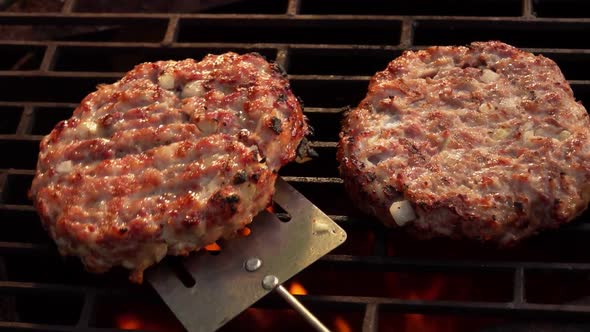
(485, 142)
(169, 159)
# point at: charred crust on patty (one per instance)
(240, 177)
(518, 206)
(255, 177)
(282, 98)
(232, 199)
(276, 125)
(279, 69)
(300, 102)
(243, 135)
(345, 111)
(390, 191)
(310, 129)
(226, 203)
(305, 152)
(257, 54)
(107, 120)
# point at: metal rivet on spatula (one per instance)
(253, 264)
(270, 282)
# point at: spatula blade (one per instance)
(224, 287)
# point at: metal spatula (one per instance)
(248, 268)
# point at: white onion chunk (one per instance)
(402, 212)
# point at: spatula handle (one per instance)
(301, 309)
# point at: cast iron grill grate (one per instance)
(51, 59)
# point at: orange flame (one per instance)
(128, 321)
(213, 247)
(297, 289)
(341, 325)
(420, 322)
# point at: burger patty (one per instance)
(170, 158)
(483, 142)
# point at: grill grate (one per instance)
(50, 60)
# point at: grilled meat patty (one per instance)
(169, 159)
(484, 142)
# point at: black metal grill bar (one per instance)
(233, 45)
(407, 33)
(389, 305)
(13, 171)
(29, 18)
(36, 86)
(24, 121)
(293, 7)
(282, 57)
(519, 285)
(48, 58)
(369, 263)
(171, 30)
(60, 74)
(38, 104)
(387, 263)
(91, 19)
(116, 75)
(68, 6)
(17, 207)
(353, 221)
(371, 318)
(527, 8)
(24, 249)
(451, 307)
(9, 287)
(87, 309)
(30, 288)
(247, 46)
(369, 304)
(28, 327)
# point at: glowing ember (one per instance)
(341, 325)
(245, 231)
(438, 323)
(297, 289)
(147, 320)
(128, 321)
(259, 318)
(431, 292)
(417, 322)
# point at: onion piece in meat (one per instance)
(402, 212)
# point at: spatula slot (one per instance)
(280, 213)
(175, 264)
